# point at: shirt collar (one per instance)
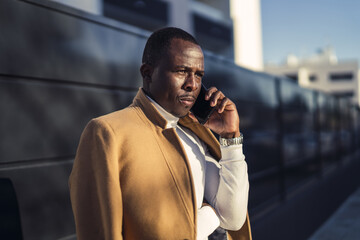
(171, 119)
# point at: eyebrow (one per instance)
(186, 67)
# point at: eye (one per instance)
(199, 75)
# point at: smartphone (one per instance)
(201, 108)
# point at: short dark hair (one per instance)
(159, 42)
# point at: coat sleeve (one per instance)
(95, 184)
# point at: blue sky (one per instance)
(301, 27)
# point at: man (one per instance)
(151, 171)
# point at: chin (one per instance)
(181, 114)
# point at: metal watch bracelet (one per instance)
(231, 141)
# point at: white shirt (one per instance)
(224, 184)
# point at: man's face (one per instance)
(175, 81)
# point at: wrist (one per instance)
(231, 135)
(231, 141)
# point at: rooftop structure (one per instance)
(322, 71)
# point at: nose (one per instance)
(190, 83)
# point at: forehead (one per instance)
(185, 52)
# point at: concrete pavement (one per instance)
(344, 224)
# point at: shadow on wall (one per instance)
(10, 225)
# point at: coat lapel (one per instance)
(204, 134)
(173, 153)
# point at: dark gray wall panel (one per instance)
(53, 45)
(299, 124)
(263, 192)
(293, 95)
(43, 198)
(262, 153)
(299, 147)
(328, 118)
(258, 124)
(328, 143)
(256, 119)
(45, 120)
(239, 83)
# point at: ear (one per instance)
(146, 72)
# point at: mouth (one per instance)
(187, 101)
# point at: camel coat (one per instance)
(131, 178)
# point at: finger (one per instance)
(215, 97)
(209, 92)
(224, 102)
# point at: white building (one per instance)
(231, 28)
(246, 16)
(323, 72)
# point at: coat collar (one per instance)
(157, 119)
(149, 110)
(172, 121)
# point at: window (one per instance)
(312, 78)
(341, 76)
(292, 76)
(147, 14)
(212, 35)
(346, 94)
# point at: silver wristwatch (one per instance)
(231, 141)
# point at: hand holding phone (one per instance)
(225, 120)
